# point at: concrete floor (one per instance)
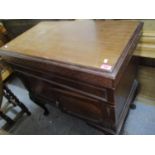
(139, 121)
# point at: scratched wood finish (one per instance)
(59, 63)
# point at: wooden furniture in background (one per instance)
(146, 46)
(146, 53)
(83, 67)
(3, 35)
(146, 76)
(6, 72)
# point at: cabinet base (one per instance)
(124, 113)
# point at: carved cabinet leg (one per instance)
(33, 98)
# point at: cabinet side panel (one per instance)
(124, 89)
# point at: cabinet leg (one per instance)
(46, 112)
(132, 106)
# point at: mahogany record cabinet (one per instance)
(85, 67)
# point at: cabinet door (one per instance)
(81, 106)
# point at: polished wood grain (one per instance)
(87, 43)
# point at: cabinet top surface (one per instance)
(97, 44)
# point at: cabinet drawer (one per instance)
(88, 109)
(60, 84)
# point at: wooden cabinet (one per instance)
(3, 35)
(84, 67)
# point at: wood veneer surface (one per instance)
(87, 43)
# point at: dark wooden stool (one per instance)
(6, 72)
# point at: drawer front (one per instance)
(63, 83)
(81, 107)
(90, 110)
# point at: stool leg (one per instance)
(14, 100)
(6, 118)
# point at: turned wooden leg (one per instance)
(14, 100)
